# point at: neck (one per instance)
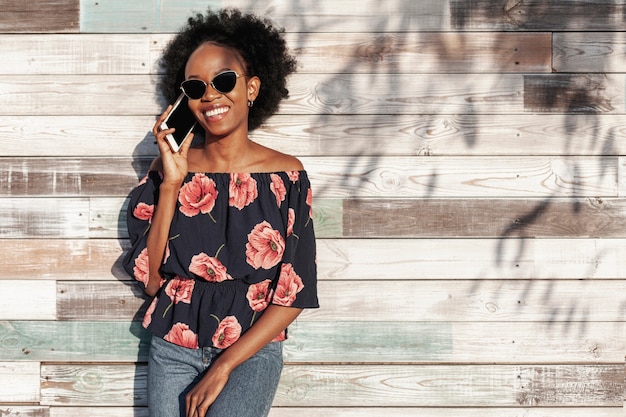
(227, 154)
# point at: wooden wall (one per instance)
(467, 158)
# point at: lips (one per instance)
(215, 111)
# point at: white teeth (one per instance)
(215, 112)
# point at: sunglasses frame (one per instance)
(211, 83)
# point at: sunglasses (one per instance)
(224, 82)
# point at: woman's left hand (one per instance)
(204, 393)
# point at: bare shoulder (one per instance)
(157, 164)
(271, 160)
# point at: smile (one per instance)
(216, 112)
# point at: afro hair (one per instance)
(259, 43)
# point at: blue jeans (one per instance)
(173, 370)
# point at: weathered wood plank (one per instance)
(581, 15)
(340, 342)
(19, 382)
(361, 412)
(51, 16)
(589, 51)
(41, 217)
(352, 259)
(28, 300)
(454, 300)
(445, 412)
(593, 217)
(343, 177)
(567, 93)
(75, 54)
(24, 411)
(376, 385)
(341, 135)
(316, 52)
(374, 94)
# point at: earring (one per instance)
(250, 103)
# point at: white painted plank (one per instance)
(19, 382)
(589, 51)
(28, 300)
(42, 217)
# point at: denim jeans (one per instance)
(173, 370)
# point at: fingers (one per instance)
(195, 407)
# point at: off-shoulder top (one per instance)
(237, 243)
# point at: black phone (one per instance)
(181, 119)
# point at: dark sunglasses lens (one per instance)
(194, 89)
(225, 81)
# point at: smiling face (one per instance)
(221, 114)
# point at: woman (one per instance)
(221, 233)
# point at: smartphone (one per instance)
(181, 119)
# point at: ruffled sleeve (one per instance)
(139, 216)
(297, 282)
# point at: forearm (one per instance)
(158, 235)
(274, 320)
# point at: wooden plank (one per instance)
(316, 53)
(504, 218)
(75, 54)
(445, 412)
(115, 412)
(402, 300)
(340, 342)
(573, 93)
(581, 15)
(589, 51)
(28, 300)
(19, 382)
(352, 259)
(342, 177)
(374, 94)
(41, 217)
(341, 135)
(374, 386)
(45, 16)
(364, 412)
(414, 53)
(323, 16)
(96, 385)
(140, 16)
(24, 411)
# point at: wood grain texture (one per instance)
(24, 411)
(595, 52)
(374, 386)
(19, 382)
(352, 259)
(341, 177)
(402, 300)
(537, 15)
(44, 16)
(341, 135)
(28, 300)
(330, 342)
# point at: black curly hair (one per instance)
(259, 43)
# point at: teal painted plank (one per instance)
(139, 16)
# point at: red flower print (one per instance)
(181, 335)
(141, 271)
(278, 188)
(289, 285)
(144, 211)
(265, 246)
(147, 318)
(227, 333)
(309, 202)
(258, 295)
(197, 196)
(291, 220)
(208, 268)
(242, 190)
(281, 337)
(180, 289)
(293, 175)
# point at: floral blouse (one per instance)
(238, 242)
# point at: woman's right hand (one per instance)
(174, 164)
